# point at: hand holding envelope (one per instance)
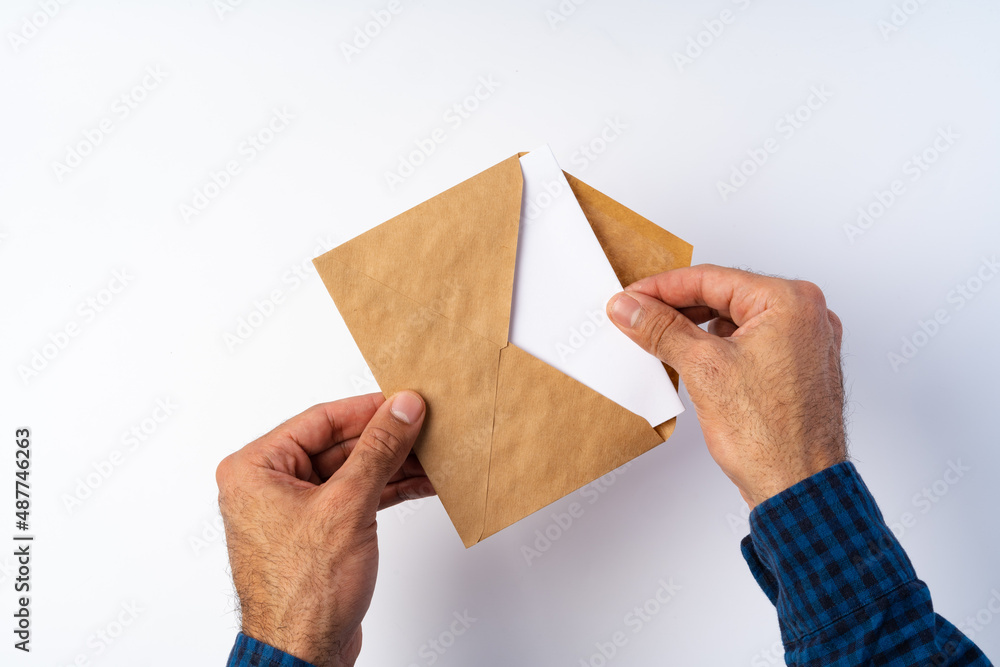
(428, 296)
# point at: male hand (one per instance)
(299, 507)
(766, 379)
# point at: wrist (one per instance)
(823, 545)
(251, 651)
(298, 645)
(785, 478)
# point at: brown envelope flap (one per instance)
(635, 246)
(409, 346)
(462, 241)
(552, 435)
(426, 296)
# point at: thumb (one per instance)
(384, 444)
(656, 327)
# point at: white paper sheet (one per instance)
(562, 282)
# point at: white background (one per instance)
(147, 535)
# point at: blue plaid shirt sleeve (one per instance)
(248, 652)
(845, 591)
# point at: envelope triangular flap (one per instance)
(408, 346)
(635, 246)
(551, 436)
(454, 253)
(426, 296)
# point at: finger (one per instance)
(721, 327)
(287, 448)
(735, 295)
(408, 489)
(411, 468)
(327, 463)
(384, 445)
(324, 425)
(656, 327)
(699, 314)
(837, 326)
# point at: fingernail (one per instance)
(407, 407)
(625, 311)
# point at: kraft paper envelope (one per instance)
(427, 297)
